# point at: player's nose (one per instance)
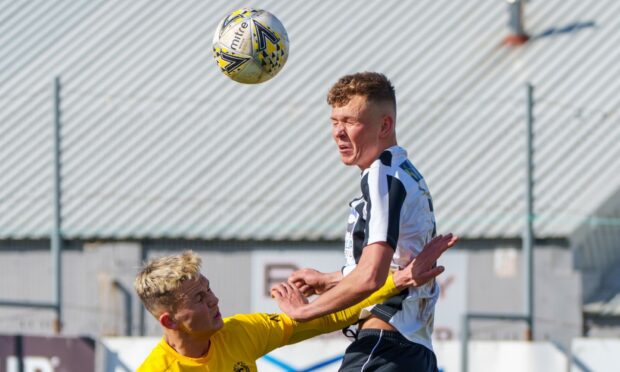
(338, 131)
(213, 301)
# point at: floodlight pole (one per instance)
(56, 239)
(528, 233)
(56, 235)
(527, 245)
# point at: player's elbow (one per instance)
(370, 281)
(371, 284)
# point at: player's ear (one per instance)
(166, 320)
(387, 126)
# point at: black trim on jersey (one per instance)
(367, 205)
(366, 197)
(397, 195)
(386, 158)
(359, 233)
(391, 306)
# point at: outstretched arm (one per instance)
(358, 285)
(418, 272)
(288, 294)
(368, 276)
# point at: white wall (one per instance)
(595, 355)
(126, 354)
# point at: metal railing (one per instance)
(483, 316)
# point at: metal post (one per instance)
(481, 316)
(143, 258)
(19, 352)
(464, 343)
(515, 9)
(56, 236)
(127, 301)
(528, 233)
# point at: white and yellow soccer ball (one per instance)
(250, 45)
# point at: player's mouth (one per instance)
(217, 315)
(344, 149)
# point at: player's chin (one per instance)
(219, 323)
(347, 160)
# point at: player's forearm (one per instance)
(350, 290)
(332, 322)
(332, 279)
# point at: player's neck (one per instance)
(188, 345)
(384, 145)
(379, 150)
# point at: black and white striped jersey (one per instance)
(396, 208)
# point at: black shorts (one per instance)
(387, 351)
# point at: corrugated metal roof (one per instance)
(158, 143)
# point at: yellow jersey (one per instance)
(247, 337)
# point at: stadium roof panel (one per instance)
(157, 143)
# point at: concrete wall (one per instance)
(92, 303)
(495, 284)
(94, 306)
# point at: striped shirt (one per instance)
(395, 208)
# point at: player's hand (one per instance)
(311, 282)
(424, 267)
(289, 298)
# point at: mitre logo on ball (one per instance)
(250, 45)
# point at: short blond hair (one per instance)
(160, 278)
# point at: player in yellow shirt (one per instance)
(197, 338)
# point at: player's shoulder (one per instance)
(257, 320)
(390, 159)
(253, 326)
(243, 318)
(157, 360)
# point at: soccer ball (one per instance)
(250, 45)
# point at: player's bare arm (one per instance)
(351, 289)
(369, 275)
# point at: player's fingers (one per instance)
(434, 243)
(293, 289)
(436, 271)
(443, 241)
(297, 283)
(437, 246)
(453, 240)
(297, 275)
(296, 293)
(284, 288)
(293, 278)
(430, 274)
(306, 290)
(288, 289)
(444, 244)
(276, 291)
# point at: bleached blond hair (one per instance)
(158, 282)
